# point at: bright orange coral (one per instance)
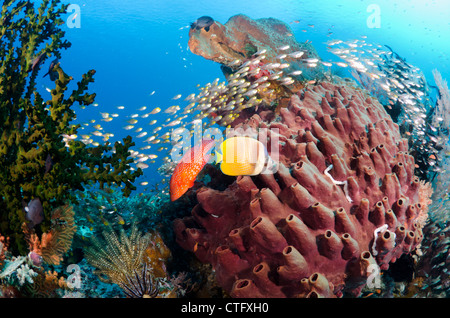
(156, 255)
(3, 248)
(53, 244)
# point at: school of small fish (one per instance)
(217, 104)
(398, 85)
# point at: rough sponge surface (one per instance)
(343, 200)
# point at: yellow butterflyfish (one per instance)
(241, 155)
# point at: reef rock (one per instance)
(241, 37)
(343, 203)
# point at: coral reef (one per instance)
(3, 248)
(55, 243)
(432, 272)
(434, 266)
(136, 262)
(344, 199)
(407, 97)
(241, 37)
(47, 285)
(38, 155)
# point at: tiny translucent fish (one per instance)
(104, 115)
(155, 111)
(288, 81)
(251, 92)
(132, 121)
(95, 104)
(284, 47)
(235, 62)
(272, 66)
(114, 115)
(120, 107)
(144, 183)
(243, 69)
(143, 108)
(152, 93)
(142, 165)
(172, 109)
(176, 97)
(70, 137)
(341, 64)
(327, 64)
(134, 115)
(173, 123)
(107, 119)
(190, 96)
(311, 60)
(264, 85)
(260, 52)
(152, 122)
(98, 127)
(138, 130)
(262, 79)
(142, 159)
(128, 127)
(97, 133)
(142, 134)
(274, 77)
(295, 73)
(297, 54)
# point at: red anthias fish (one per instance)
(188, 168)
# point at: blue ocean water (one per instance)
(140, 47)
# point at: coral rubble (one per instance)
(344, 199)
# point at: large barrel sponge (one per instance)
(343, 200)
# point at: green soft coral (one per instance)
(32, 128)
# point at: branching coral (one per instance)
(46, 284)
(34, 129)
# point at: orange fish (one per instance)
(188, 168)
